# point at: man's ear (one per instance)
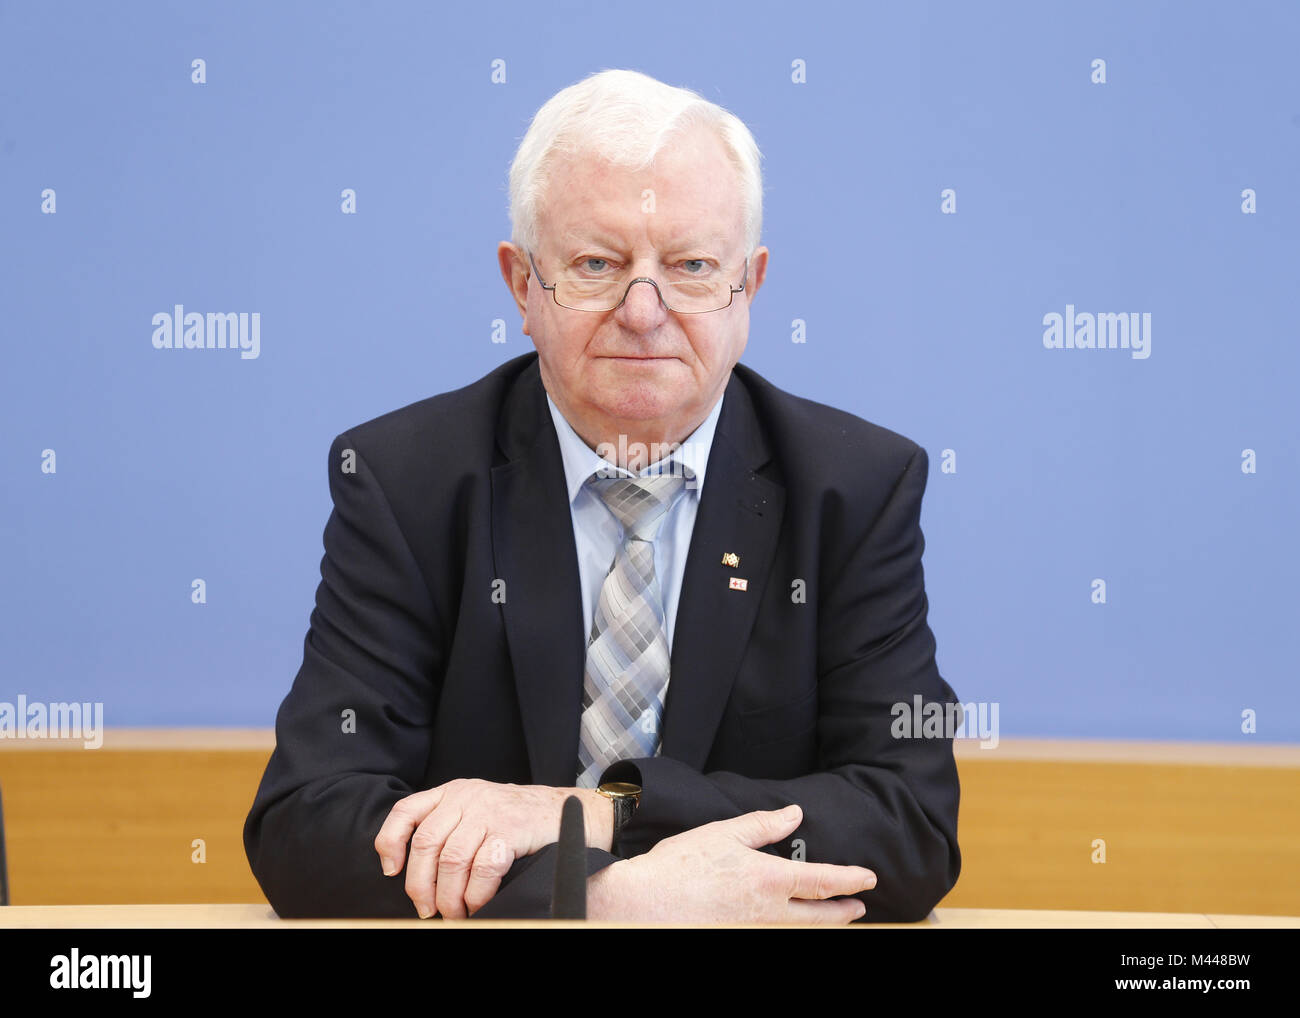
(514, 270)
(757, 271)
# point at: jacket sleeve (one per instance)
(880, 797)
(352, 736)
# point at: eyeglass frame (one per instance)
(641, 279)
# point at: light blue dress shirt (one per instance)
(597, 533)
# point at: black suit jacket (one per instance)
(780, 693)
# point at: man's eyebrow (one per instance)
(576, 240)
(574, 243)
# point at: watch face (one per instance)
(620, 789)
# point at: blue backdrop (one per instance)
(941, 179)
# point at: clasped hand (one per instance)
(466, 834)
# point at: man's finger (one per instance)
(814, 880)
(422, 864)
(754, 830)
(405, 816)
(492, 863)
(454, 862)
(826, 913)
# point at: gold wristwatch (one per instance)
(625, 797)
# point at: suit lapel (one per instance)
(534, 553)
(739, 512)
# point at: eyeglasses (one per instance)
(608, 292)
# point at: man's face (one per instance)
(640, 369)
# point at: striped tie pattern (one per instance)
(627, 655)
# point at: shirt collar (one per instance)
(581, 461)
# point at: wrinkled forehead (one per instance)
(689, 196)
(694, 237)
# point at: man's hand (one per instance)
(466, 834)
(714, 873)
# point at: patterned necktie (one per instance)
(627, 655)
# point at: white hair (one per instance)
(625, 118)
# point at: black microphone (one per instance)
(569, 893)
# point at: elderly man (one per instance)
(624, 568)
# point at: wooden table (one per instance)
(254, 916)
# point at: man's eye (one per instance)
(599, 266)
(695, 266)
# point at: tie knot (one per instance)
(639, 502)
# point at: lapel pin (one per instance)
(737, 583)
(730, 558)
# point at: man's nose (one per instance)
(642, 309)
